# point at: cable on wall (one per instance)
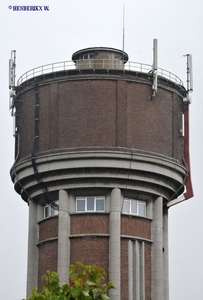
(38, 176)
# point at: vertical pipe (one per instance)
(165, 254)
(63, 238)
(157, 250)
(115, 244)
(33, 238)
(188, 183)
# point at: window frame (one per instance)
(138, 202)
(95, 204)
(51, 211)
(86, 56)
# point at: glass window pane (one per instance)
(126, 206)
(46, 211)
(90, 203)
(81, 205)
(99, 204)
(134, 207)
(141, 209)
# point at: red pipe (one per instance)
(186, 154)
(186, 158)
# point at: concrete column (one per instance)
(115, 244)
(63, 238)
(165, 254)
(157, 250)
(33, 238)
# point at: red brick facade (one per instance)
(101, 113)
(89, 243)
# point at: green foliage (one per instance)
(85, 283)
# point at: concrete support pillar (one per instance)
(165, 254)
(63, 238)
(115, 243)
(33, 238)
(157, 250)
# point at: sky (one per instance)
(42, 37)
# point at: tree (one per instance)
(86, 282)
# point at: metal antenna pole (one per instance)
(123, 28)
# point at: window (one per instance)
(49, 211)
(88, 204)
(86, 56)
(134, 207)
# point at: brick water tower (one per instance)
(101, 153)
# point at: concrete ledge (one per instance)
(103, 168)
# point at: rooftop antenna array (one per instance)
(154, 68)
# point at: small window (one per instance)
(134, 207)
(90, 204)
(86, 56)
(50, 211)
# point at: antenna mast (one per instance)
(189, 77)
(154, 68)
(12, 75)
(189, 73)
(123, 28)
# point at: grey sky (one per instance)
(43, 37)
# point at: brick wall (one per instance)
(90, 250)
(48, 228)
(136, 226)
(89, 223)
(101, 113)
(124, 269)
(48, 255)
(48, 251)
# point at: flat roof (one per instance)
(76, 54)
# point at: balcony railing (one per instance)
(96, 64)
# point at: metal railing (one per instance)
(96, 64)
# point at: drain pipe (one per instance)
(188, 193)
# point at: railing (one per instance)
(96, 64)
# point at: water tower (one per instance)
(101, 153)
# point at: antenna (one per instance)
(154, 68)
(189, 77)
(123, 28)
(12, 75)
(155, 50)
(189, 73)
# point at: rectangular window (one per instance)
(100, 204)
(134, 207)
(126, 206)
(141, 209)
(90, 204)
(80, 205)
(50, 211)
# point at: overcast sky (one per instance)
(42, 37)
